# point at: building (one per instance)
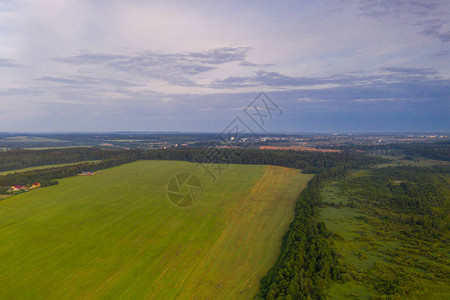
(16, 188)
(87, 173)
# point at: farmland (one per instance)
(116, 234)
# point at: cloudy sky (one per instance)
(193, 65)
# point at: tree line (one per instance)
(307, 261)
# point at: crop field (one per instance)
(116, 234)
(43, 167)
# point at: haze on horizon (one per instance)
(193, 66)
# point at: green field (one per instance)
(43, 167)
(116, 235)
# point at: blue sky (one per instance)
(332, 66)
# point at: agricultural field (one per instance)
(117, 235)
(43, 167)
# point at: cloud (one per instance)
(442, 53)
(433, 28)
(8, 63)
(422, 12)
(248, 64)
(276, 79)
(124, 109)
(430, 91)
(379, 99)
(443, 36)
(20, 92)
(86, 80)
(215, 56)
(171, 67)
(90, 58)
(203, 62)
(310, 100)
(220, 55)
(82, 81)
(411, 71)
(270, 79)
(263, 79)
(382, 8)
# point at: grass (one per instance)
(357, 244)
(116, 235)
(349, 290)
(357, 238)
(331, 194)
(42, 167)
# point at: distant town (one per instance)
(125, 141)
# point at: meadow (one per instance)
(116, 234)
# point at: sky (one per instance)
(194, 66)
